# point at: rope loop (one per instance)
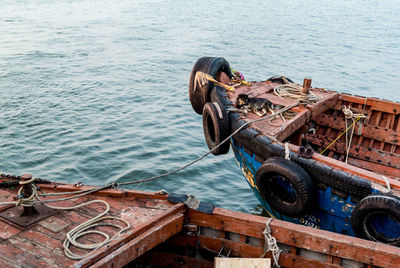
(27, 182)
(271, 244)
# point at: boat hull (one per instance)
(301, 166)
(337, 191)
(333, 213)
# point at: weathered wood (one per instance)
(143, 242)
(376, 133)
(247, 251)
(375, 103)
(356, 151)
(301, 236)
(164, 259)
(242, 262)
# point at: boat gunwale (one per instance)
(300, 236)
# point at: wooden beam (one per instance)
(372, 132)
(300, 236)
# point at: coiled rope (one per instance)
(293, 91)
(82, 229)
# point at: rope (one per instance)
(82, 229)
(271, 244)
(202, 79)
(219, 145)
(192, 202)
(287, 151)
(387, 183)
(341, 135)
(293, 91)
(348, 114)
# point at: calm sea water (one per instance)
(96, 91)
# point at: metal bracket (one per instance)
(15, 215)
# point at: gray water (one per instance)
(96, 91)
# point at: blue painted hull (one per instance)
(332, 213)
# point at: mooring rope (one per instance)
(85, 227)
(216, 147)
(116, 184)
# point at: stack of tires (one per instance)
(216, 124)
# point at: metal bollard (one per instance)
(26, 192)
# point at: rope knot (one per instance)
(114, 185)
(348, 113)
(271, 244)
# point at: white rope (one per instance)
(271, 244)
(349, 115)
(293, 91)
(387, 183)
(192, 202)
(82, 229)
(287, 151)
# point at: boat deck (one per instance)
(40, 244)
(375, 141)
(278, 128)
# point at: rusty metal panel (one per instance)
(14, 215)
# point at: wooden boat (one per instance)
(327, 160)
(163, 232)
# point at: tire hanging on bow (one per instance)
(216, 127)
(199, 94)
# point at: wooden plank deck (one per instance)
(153, 220)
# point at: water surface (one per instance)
(96, 91)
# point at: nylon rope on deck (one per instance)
(82, 229)
(293, 91)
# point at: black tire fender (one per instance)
(270, 180)
(199, 95)
(216, 127)
(370, 206)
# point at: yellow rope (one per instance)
(358, 118)
(202, 79)
(244, 82)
